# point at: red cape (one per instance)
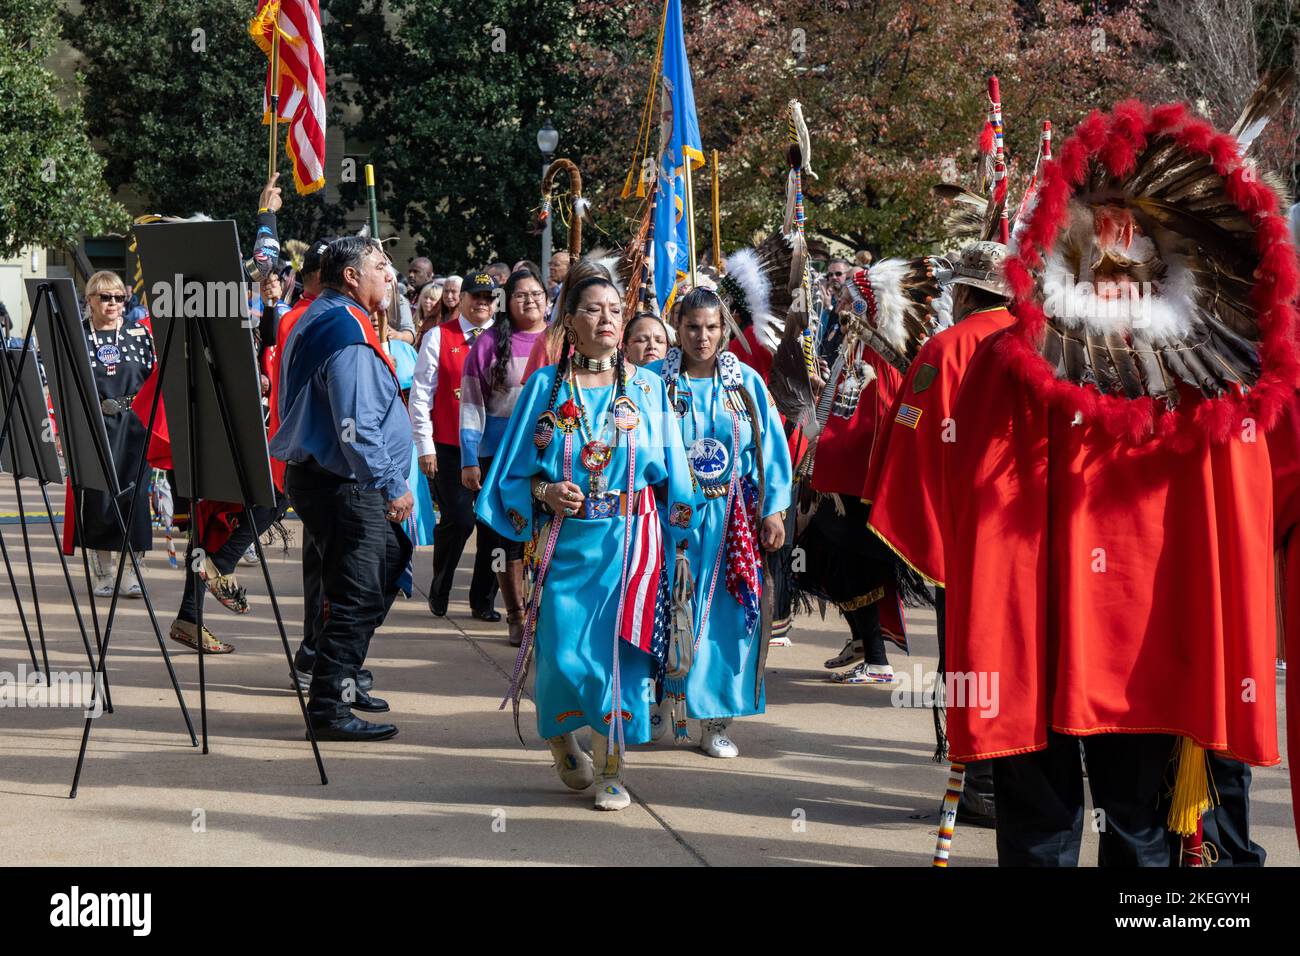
(905, 481)
(1107, 587)
(842, 455)
(1284, 449)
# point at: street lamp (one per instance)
(547, 140)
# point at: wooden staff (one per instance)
(575, 203)
(717, 233)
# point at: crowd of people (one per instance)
(639, 484)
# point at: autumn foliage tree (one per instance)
(892, 90)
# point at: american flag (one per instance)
(302, 82)
(908, 415)
(644, 568)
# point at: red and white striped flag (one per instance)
(645, 564)
(302, 82)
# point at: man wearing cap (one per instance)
(905, 481)
(435, 422)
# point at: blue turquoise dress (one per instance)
(578, 609)
(419, 527)
(722, 678)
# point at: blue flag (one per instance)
(679, 141)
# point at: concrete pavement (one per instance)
(831, 775)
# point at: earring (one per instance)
(571, 337)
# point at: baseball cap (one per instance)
(477, 282)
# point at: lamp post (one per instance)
(547, 140)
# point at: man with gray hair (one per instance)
(347, 440)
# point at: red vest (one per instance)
(445, 411)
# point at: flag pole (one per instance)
(271, 160)
(690, 218)
(373, 202)
(717, 233)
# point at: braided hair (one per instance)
(571, 299)
(498, 373)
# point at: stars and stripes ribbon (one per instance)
(644, 569)
(744, 579)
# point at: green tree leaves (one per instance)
(52, 191)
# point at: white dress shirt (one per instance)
(425, 384)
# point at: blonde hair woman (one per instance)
(121, 356)
(435, 305)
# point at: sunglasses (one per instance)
(837, 275)
(111, 297)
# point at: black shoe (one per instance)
(436, 607)
(365, 679)
(486, 614)
(977, 810)
(353, 728)
(368, 704)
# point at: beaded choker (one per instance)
(590, 364)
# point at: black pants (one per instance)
(455, 525)
(314, 609)
(362, 556)
(864, 625)
(227, 556)
(1040, 811)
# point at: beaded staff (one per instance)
(999, 158)
(948, 815)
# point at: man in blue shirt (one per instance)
(347, 438)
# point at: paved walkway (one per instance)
(830, 775)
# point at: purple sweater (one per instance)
(484, 414)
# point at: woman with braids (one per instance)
(489, 389)
(738, 456)
(589, 458)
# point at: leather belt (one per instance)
(115, 406)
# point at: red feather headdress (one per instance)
(1114, 149)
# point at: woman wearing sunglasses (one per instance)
(121, 356)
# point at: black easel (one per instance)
(14, 398)
(192, 326)
(61, 343)
(201, 355)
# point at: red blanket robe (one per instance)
(1103, 587)
(905, 482)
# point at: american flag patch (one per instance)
(908, 415)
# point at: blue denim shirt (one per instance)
(349, 418)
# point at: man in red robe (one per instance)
(1105, 491)
(905, 483)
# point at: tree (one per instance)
(892, 90)
(1220, 49)
(53, 190)
(451, 101)
(174, 95)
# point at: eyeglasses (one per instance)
(535, 296)
(837, 275)
(111, 297)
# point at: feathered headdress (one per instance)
(891, 307)
(746, 287)
(1153, 267)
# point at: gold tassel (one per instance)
(1191, 794)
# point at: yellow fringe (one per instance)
(1191, 794)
